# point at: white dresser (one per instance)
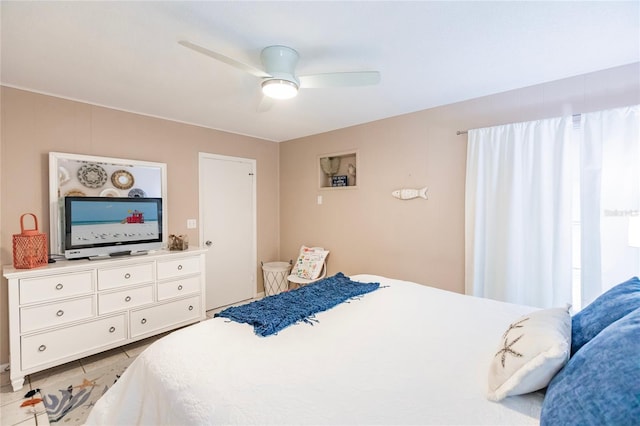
(71, 309)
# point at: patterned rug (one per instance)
(69, 401)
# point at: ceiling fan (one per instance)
(278, 77)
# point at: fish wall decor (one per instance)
(410, 194)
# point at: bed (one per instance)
(403, 354)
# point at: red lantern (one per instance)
(29, 246)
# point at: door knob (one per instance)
(208, 243)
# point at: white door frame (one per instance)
(254, 221)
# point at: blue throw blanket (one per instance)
(273, 313)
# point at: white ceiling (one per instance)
(125, 55)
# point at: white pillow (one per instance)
(310, 262)
(532, 350)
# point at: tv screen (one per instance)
(108, 226)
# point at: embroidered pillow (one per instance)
(531, 351)
(609, 307)
(600, 385)
(310, 262)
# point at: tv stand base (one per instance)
(110, 255)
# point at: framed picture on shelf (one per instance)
(341, 180)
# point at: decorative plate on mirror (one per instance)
(122, 179)
(63, 176)
(137, 193)
(92, 175)
(110, 192)
(75, 193)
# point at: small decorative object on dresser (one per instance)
(178, 242)
(29, 246)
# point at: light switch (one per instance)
(319, 199)
(192, 224)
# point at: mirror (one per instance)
(91, 176)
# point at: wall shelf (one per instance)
(338, 170)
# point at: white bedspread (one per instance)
(404, 354)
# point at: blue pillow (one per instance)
(600, 385)
(607, 308)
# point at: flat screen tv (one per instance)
(111, 226)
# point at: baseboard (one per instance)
(260, 295)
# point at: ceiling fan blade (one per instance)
(340, 79)
(227, 60)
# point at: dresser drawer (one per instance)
(53, 287)
(178, 267)
(55, 345)
(126, 275)
(124, 299)
(181, 287)
(167, 315)
(64, 311)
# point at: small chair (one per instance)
(309, 259)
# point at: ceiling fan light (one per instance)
(279, 89)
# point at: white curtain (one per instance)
(610, 194)
(518, 212)
(548, 208)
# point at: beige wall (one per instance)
(367, 230)
(33, 125)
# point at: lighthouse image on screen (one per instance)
(117, 222)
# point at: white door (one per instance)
(228, 227)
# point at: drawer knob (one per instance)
(180, 287)
(127, 299)
(179, 267)
(59, 286)
(143, 321)
(112, 329)
(191, 307)
(127, 276)
(60, 313)
(42, 348)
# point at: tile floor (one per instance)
(11, 414)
